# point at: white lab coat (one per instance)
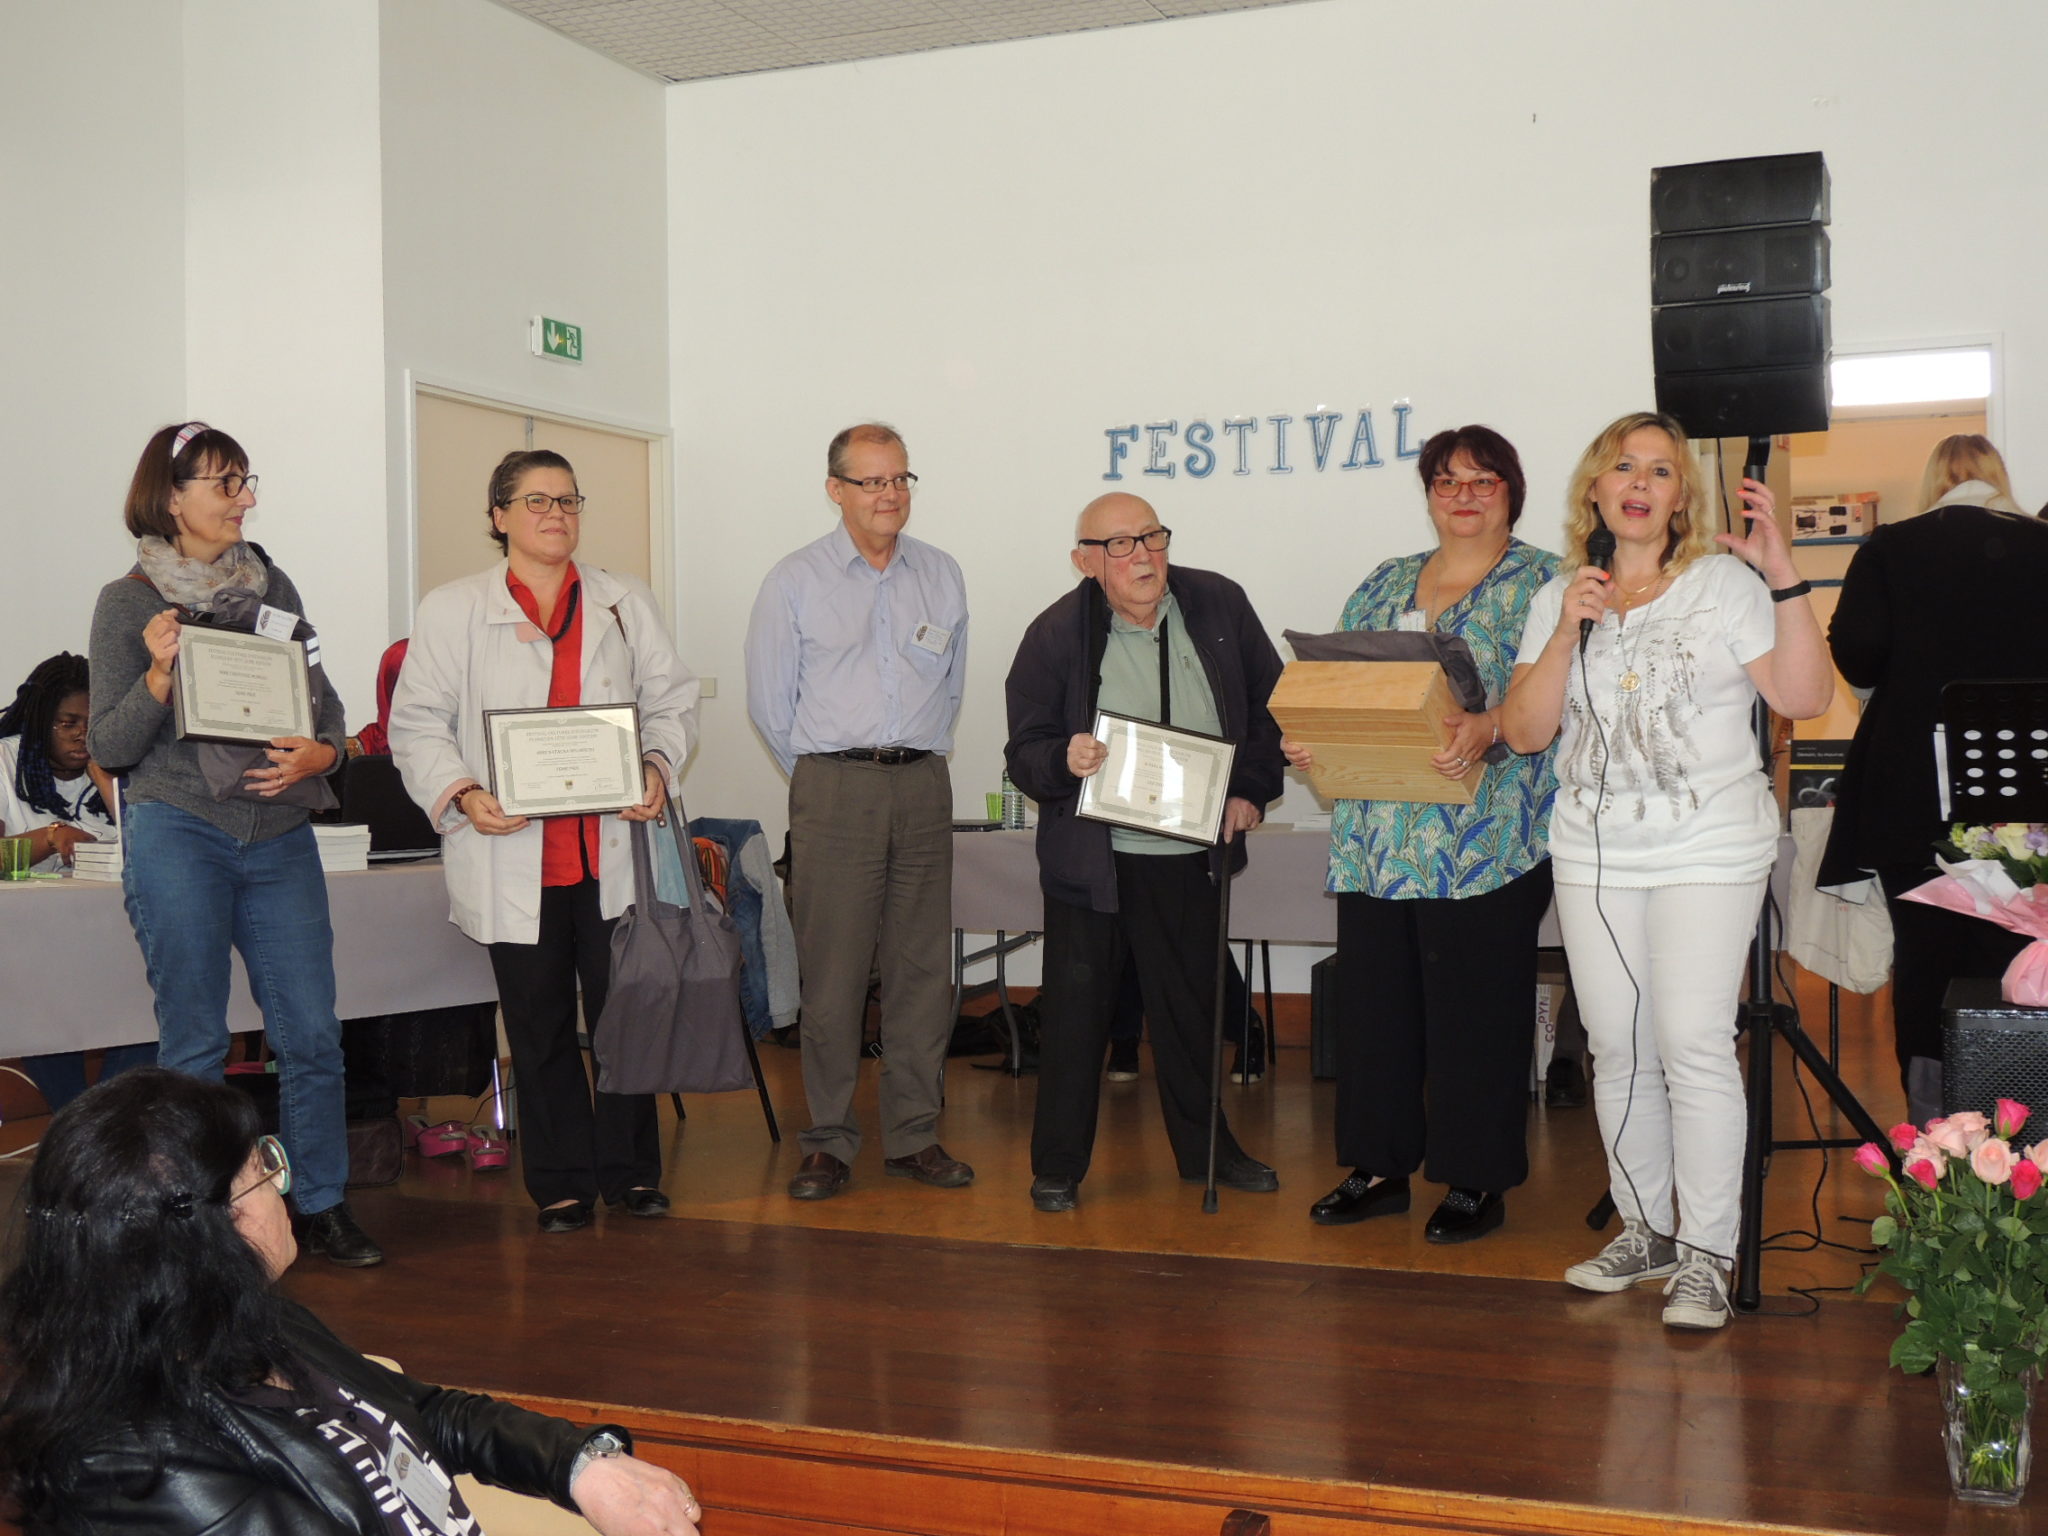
(473, 649)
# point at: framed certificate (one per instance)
(1159, 779)
(239, 687)
(580, 760)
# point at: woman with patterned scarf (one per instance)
(213, 857)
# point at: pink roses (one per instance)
(1984, 1142)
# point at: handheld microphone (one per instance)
(1600, 552)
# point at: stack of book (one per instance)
(342, 847)
(97, 861)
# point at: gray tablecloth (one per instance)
(74, 977)
(1279, 896)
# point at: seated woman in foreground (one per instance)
(156, 1380)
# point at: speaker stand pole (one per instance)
(1763, 1020)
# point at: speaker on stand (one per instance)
(1739, 271)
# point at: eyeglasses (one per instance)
(874, 485)
(1482, 487)
(1117, 546)
(230, 485)
(277, 1168)
(538, 504)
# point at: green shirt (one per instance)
(1130, 686)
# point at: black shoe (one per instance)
(1249, 1064)
(333, 1233)
(1564, 1085)
(1123, 1061)
(565, 1218)
(933, 1165)
(1358, 1198)
(1237, 1170)
(1464, 1215)
(641, 1202)
(1049, 1193)
(819, 1177)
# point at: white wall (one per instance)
(93, 266)
(1004, 250)
(523, 175)
(284, 294)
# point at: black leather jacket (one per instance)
(262, 1473)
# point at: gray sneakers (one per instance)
(1697, 1296)
(1630, 1259)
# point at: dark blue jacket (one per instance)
(1051, 693)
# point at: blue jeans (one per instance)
(193, 891)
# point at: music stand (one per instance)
(1991, 750)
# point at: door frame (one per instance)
(660, 443)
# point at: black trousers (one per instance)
(1930, 948)
(1167, 925)
(1436, 1026)
(574, 1143)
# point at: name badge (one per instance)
(275, 623)
(1413, 621)
(425, 1491)
(929, 637)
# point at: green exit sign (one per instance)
(558, 339)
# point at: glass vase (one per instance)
(1989, 1449)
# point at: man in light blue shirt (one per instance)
(856, 659)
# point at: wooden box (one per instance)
(1373, 726)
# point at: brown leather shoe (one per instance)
(931, 1166)
(820, 1178)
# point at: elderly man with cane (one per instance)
(1188, 653)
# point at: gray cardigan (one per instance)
(135, 737)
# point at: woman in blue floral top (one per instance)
(1438, 905)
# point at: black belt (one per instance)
(890, 755)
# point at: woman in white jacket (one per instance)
(538, 631)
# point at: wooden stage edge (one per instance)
(810, 1381)
(783, 1478)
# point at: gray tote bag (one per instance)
(672, 1021)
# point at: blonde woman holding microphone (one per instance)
(1665, 828)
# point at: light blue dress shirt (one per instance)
(842, 655)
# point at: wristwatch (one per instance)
(602, 1446)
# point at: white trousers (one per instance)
(1666, 1085)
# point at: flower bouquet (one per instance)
(1996, 873)
(1967, 1237)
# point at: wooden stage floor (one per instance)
(909, 1360)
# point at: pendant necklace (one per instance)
(1631, 679)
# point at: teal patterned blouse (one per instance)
(1408, 849)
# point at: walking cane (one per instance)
(1216, 1037)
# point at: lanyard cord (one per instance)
(1165, 676)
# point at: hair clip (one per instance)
(178, 1207)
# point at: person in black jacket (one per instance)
(156, 1381)
(1128, 640)
(1952, 593)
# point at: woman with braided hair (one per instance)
(50, 789)
(54, 793)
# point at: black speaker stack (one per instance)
(1738, 278)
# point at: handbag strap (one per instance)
(643, 859)
(693, 875)
(673, 814)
